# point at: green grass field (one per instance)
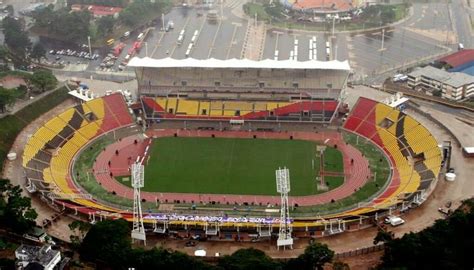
(232, 166)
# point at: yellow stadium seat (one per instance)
(204, 106)
(188, 107)
(97, 107)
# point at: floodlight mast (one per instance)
(138, 231)
(283, 187)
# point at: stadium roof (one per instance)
(237, 63)
(458, 58)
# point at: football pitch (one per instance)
(231, 165)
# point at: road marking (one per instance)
(199, 35)
(231, 41)
(157, 44)
(214, 40)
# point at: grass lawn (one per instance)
(333, 160)
(229, 165)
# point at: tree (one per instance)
(107, 241)
(79, 228)
(15, 36)
(159, 258)
(37, 52)
(249, 258)
(340, 266)
(3, 52)
(315, 256)
(105, 25)
(141, 10)
(9, 9)
(44, 80)
(445, 245)
(63, 24)
(15, 210)
(383, 236)
(7, 97)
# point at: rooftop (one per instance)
(42, 255)
(458, 58)
(97, 10)
(237, 63)
(339, 5)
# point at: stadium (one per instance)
(212, 133)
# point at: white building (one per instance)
(40, 256)
(453, 85)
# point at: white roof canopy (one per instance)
(237, 63)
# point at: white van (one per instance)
(394, 221)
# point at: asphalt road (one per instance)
(460, 16)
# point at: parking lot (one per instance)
(225, 37)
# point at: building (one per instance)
(98, 11)
(453, 85)
(40, 257)
(240, 89)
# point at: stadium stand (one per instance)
(50, 151)
(413, 151)
(182, 108)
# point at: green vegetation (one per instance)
(229, 166)
(44, 80)
(444, 245)
(141, 11)
(13, 124)
(75, 27)
(108, 244)
(16, 213)
(333, 161)
(373, 16)
(16, 38)
(38, 52)
(63, 24)
(254, 8)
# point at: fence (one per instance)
(359, 251)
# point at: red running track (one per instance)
(356, 174)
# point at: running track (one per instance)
(356, 174)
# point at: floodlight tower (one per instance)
(283, 187)
(138, 231)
